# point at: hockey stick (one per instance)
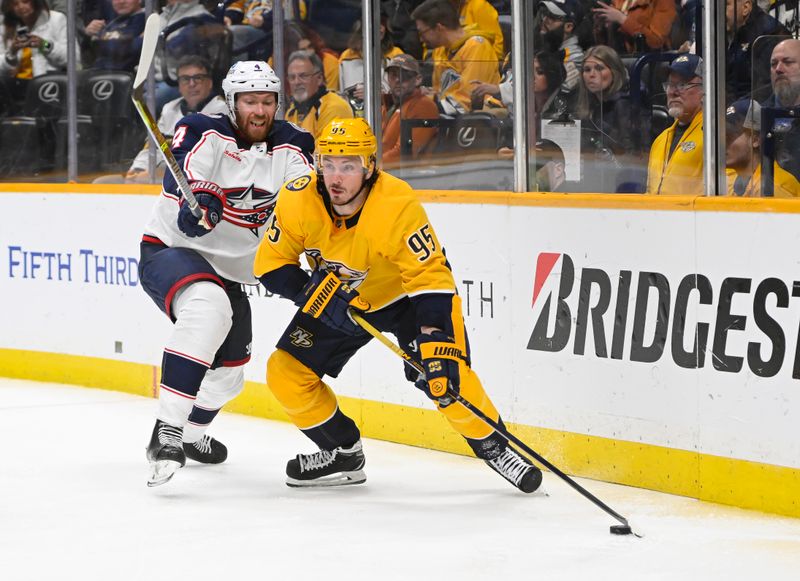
(623, 528)
(149, 43)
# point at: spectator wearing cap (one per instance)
(743, 155)
(460, 54)
(482, 16)
(408, 102)
(557, 27)
(745, 24)
(311, 105)
(618, 22)
(676, 157)
(550, 166)
(117, 45)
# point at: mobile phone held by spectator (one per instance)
(23, 34)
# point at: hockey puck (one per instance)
(621, 530)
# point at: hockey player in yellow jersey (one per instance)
(372, 248)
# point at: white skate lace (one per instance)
(316, 460)
(170, 435)
(203, 444)
(510, 465)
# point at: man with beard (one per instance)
(676, 157)
(408, 102)
(312, 105)
(743, 155)
(752, 35)
(193, 269)
(785, 77)
(557, 28)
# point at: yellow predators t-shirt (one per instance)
(387, 250)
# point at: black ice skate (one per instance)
(206, 450)
(517, 470)
(165, 453)
(337, 467)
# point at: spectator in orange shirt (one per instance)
(617, 22)
(405, 80)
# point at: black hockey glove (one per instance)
(440, 357)
(328, 299)
(211, 199)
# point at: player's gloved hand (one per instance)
(440, 357)
(328, 299)
(211, 200)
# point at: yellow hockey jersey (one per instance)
(387, 249)
(471, 58)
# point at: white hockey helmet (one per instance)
(249, 77)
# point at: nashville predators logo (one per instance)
(301, 338)
(348, 275)
(298, 184)
(438, 388)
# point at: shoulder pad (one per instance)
(202, 123)
(298, 184)
(287, 132)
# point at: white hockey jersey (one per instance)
(206, 147)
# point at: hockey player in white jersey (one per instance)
(193, 268)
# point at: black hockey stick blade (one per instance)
(624, 528)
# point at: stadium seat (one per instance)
(29, 140)
(472, 133)
(109, 132)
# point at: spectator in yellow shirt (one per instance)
(743, 155)
(676, 157)
(311, 105)
(483, 16)
(460, 54)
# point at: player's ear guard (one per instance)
(328, 299)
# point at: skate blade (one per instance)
(338, 479)
(161, 471)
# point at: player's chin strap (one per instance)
(622, 528)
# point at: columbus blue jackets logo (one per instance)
(249, 207)
(349, 275)
(298, 184)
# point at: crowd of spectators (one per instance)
(633, 128)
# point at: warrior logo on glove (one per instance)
(440, 358)
(328, 299)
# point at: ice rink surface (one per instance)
(74, 505)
